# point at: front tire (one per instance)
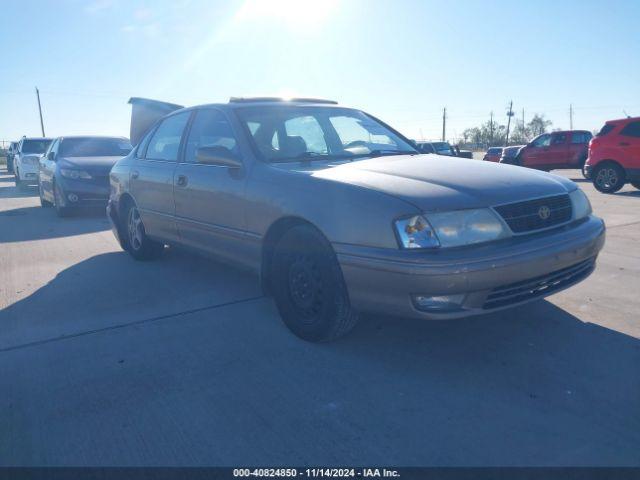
(43, 203)
(308, 287)
(608, 178)
(62, 210)
(137, 243)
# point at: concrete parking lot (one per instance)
(108, 361)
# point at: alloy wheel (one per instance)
(136, 231)
(607, 178)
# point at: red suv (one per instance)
(550, 151)
(614, 155)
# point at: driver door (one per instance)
(209, 199)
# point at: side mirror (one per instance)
(217, 155)
(51, 156)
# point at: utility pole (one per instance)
(444, 124)
(491, 129)
(40, 111)
(509, 114)
(570, 116)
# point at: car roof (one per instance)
(624, 120)
(242, 102)
(37, 138)
(79, 137)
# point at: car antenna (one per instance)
(625, 112)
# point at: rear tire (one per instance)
(60, 203)
(608, 178)
(308, 286)
(136, 242)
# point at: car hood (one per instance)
(91, 164)
(435, 182)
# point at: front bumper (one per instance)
(93, 192)
(491, 276)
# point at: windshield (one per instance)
(35, 146)
(95, 147)
(289, 133)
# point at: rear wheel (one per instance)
(137, 243)
(308, 287)
(608, 178)
(62, 210)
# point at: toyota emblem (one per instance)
(544, 212)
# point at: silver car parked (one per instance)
(339, 214)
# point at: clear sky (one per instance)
(402, 61)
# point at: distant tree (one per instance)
(538, 125)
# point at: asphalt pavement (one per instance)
(182, 361)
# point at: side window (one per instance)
(542, 141)
(210, 128)
(143, 144)
(53, 147)
(165, 142)
(558, 138)
(631, 130)
(580, 137)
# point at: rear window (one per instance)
(604, 130)
(631, 130)
(494, 151)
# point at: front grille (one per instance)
(539, 286)
(536, 214)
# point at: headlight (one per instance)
(580, 204)
(451, 229)
(74, 174)
(415, 232)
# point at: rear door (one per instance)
(629, 144)
(151, 181)
(209, 199)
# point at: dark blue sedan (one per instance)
(74, 172)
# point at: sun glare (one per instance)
(304, 15)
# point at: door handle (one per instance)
(624, 144)
(135, 174)
(182, 181)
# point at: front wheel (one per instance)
(43, 203)
(308, 287)
(608, 178)
(137, 243)
(62, 210)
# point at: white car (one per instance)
(27, 160)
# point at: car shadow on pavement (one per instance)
(533, 385)
(632, 193)
(37, 223)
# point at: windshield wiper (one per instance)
(307, 156)
(383, 153)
